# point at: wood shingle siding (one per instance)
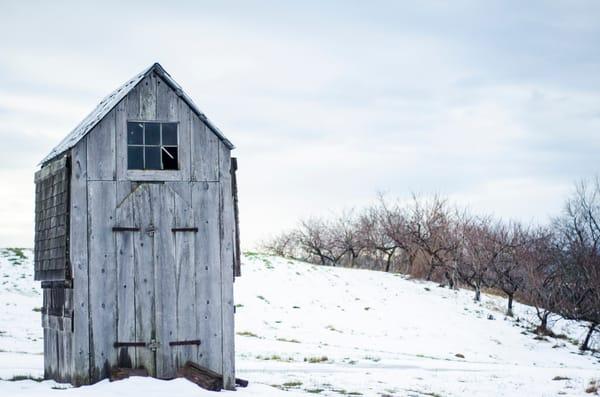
(52, 221)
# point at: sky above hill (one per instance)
(494, 104)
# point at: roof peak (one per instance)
(112, 99)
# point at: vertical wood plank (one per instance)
(126, 285)
(61, 357)
(101, 149)
(185, 143)
(144, 276)
(183, 190)
(121, 139)
(79, 261)
(205, 199)
(205, 151)
(227, 236)
(124, 189)
(167, 107)
(102, 273)
(132, 103)
(50, 354)
(69, 353)
(185, 283)
(147, 91)
(47, 352)
(166, 294)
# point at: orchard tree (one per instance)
(542, 276)
(512, 242)
(579, 238)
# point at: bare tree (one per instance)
(284, 244)
(315, 238)
(542, 277)
(430, 229)
(557, 270)
(379, 244)
(579, 233)
(480, 252)
(395, 233)
(345, 238)
(512, 242)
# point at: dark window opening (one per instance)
(152, 146)
(169, 157)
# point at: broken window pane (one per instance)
(169, 134)
(152, 134)
(135, 157)
(169, 158)
(152, 157)
(135, 133)
(152, 146)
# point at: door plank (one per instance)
(145, 321)
(166, 286)
(125, 284)
(186, 285)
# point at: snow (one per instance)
(306, 330)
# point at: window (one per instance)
(152, 146)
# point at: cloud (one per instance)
(493, 104)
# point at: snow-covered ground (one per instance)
(305, 330)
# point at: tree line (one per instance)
(555, 267)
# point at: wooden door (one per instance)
(156, 275)
(175, 282)
(136, 306)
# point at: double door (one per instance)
(156, 316)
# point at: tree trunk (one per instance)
(430, 272)
(449, 279)
(388, 262)
(543, 316)
(477, 293)
(586, 342)
(544, 323)
(509, 312)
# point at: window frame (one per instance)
(160, 145)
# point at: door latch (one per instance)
(153, 345)
(150, 230)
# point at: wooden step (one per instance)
(201, 376)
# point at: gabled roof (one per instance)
(108, 103)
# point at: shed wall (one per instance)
(102, 182)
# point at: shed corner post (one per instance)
(227, 236)
(79, 262)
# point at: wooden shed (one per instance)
(136, 238)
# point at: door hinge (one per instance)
(185, 342)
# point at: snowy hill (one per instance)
(306, 330)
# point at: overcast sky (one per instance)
(493, 104)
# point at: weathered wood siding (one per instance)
(57, 321)
(227, 237)
(102, 277)
(52, 266)
(79, 261)
(168, 275)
